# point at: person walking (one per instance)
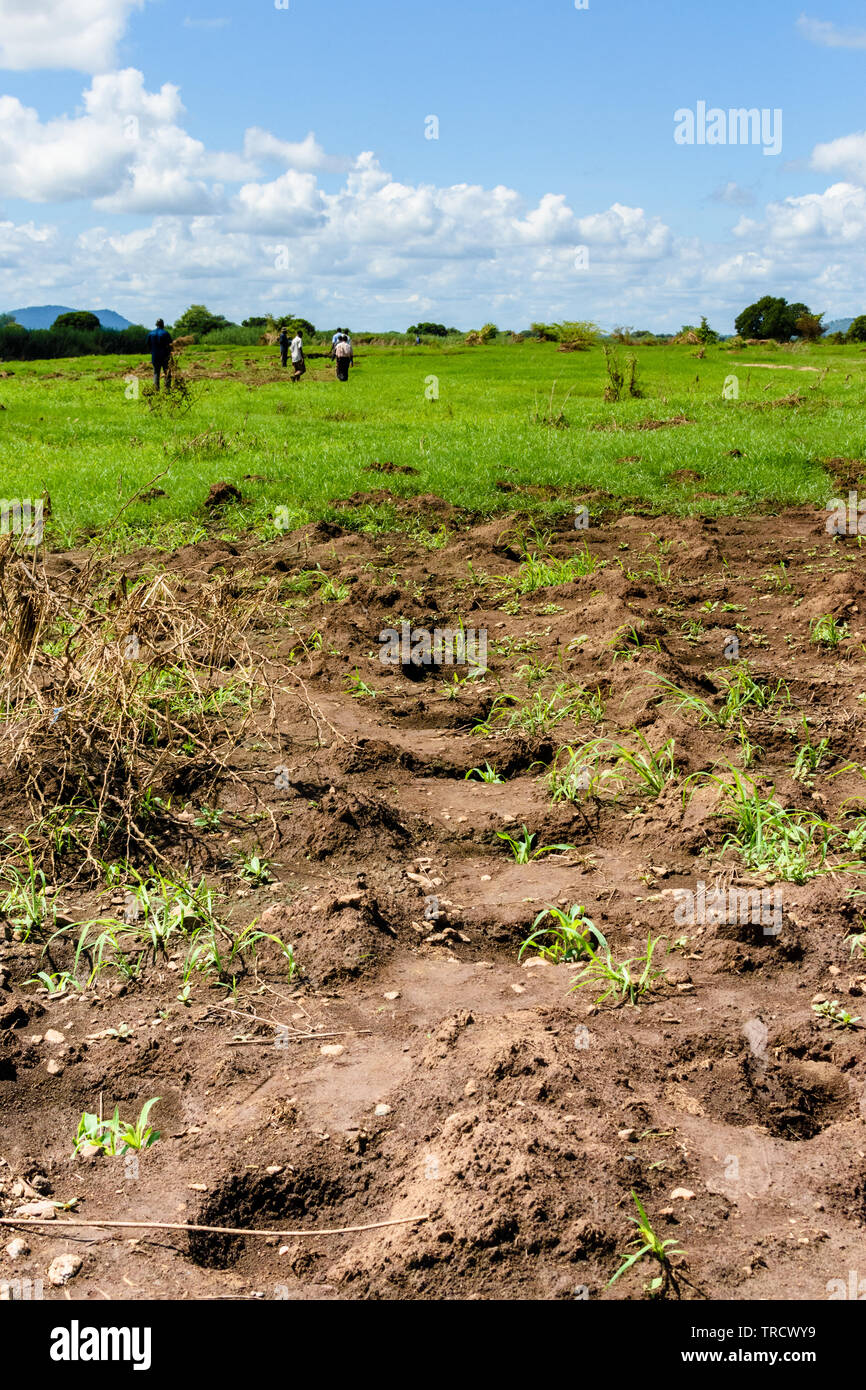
(284, 346)
(159, 342)
(345, 357)
(334, 341)
(299, 366)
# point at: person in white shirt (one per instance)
(299, 366)
(345, 357)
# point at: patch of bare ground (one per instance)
(415, 1067)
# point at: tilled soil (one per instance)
(415, 1068)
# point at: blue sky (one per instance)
(156, 153)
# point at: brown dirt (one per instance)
(520, 1115)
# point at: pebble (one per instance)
(331, 1049)
(682, 1194)
(393, 994)
(53, 1036)
(16, 1248)
(470, 1089)
(44, 1210)
(54, 1068)
(63, 1268)
(486, 878)
(382, 1109)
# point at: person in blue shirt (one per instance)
(159, 342)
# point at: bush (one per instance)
(232, 336)
(23, 345)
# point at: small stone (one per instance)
(89, 1151)
(331, 1049)
(682, 1194)
(393, 994)
(274, 1169)
(54, 1068)
(54, 1037)
(485, 878)
(16, 1248)
(382, 1109)
(519, 989)
(44, 1211)
(627, 1134)
(534, 961)
(470, 1089)
(63, 1268)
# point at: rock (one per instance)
(627, 1134)
(89, 1151)
(43, 1210)
(470, 1089)
(16, 1248)
(54, 1037)
(682, 1194)
(62, 1269)
(331, 1049)
(382, 1109)
(54, 1068)
(393, 994)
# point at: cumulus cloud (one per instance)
(77, 34)
(848, 153)
(126, 152)
(829, 35)
(838, 215)
(304, 154)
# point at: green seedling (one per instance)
(623, 980)
(566, 940)
(648, 1245)
(522, 850)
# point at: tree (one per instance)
(543, 332)
(576, 334)
(81, 319)
(198, 320)
(857, 332)
(433, 330)
(771, 317)
(6, 319)
(809, 327)
(258, 321)
(488, 333)
(705, 333)
(298, 325)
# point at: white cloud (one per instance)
(126, 152)
(305, 154)
(848, 153)
(77, 34)
(735, 196)
(829, 35)
(838, 215)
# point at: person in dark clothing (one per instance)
(284, 346)
(159, 342)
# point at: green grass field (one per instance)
(68, 428)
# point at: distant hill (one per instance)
(43, 315)
(838, 326)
